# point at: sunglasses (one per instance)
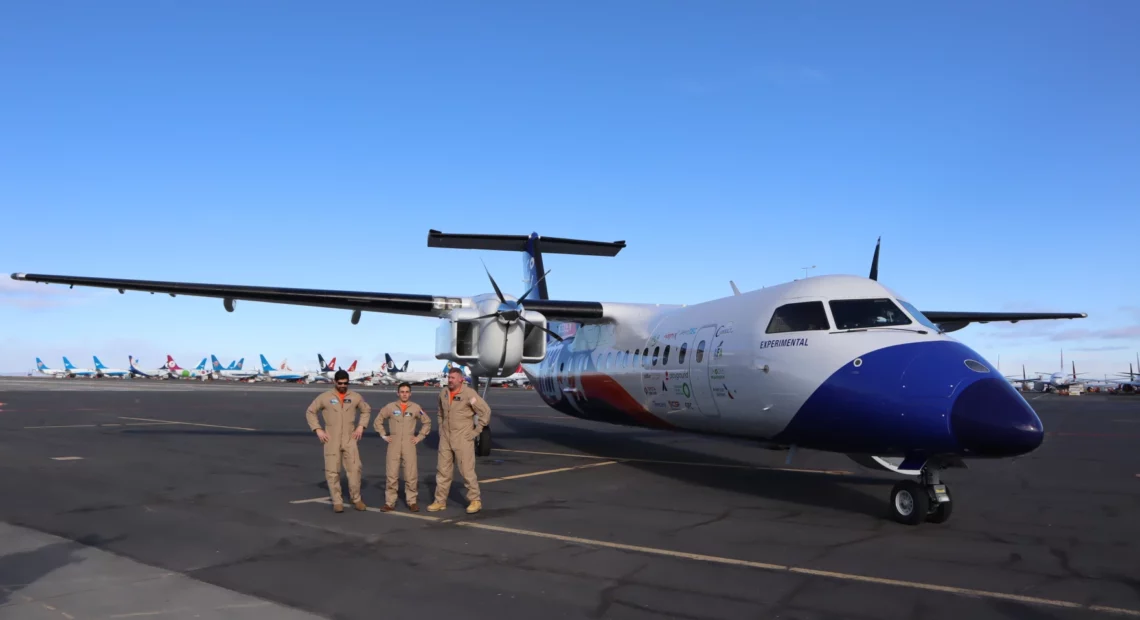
(342, 382)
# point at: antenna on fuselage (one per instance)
(735, 291)
(875, 261)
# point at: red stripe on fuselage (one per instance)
(599, 397)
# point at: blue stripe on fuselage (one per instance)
(898, 400)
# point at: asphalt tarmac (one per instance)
(216, 491)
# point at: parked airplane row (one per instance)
(389, 374)
(836, 363)
(1062, 381)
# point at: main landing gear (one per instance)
(926, 499)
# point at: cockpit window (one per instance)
(866, 313)
(918, 316)
(798, 317)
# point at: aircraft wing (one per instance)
(392, 303)
(952, 321)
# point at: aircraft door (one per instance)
(699, 356)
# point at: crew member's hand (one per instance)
(474, 400)
(322, 435)
(386, 438)
(415, 440)
(358, 433)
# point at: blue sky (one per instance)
(992, 145)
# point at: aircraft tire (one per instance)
(483, 442)
(909, 503)
(940, 511)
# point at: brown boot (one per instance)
(386, 508)
(413, 507)
(338, 508)
(359, 505)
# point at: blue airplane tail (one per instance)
(201, 365)
(240, 363)
(98, 365)
(41, 365)
(217, 365)
(265, 365)
(67, 364)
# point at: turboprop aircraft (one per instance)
(836, 363)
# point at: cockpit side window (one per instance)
(798, 317)
(866, 313)
(918, 316)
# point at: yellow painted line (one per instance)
(398, 512)
(547, 471)
(142, 614)
(233, 428)
(835, 472)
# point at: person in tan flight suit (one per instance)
(462, 416)
(402, 439)
(339, 437)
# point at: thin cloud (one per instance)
(34, 296)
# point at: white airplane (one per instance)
(233, 373)
(178, 372)
(414, 377)
(162, 372)
(519, 378)
(43, 369)
(103, 371)
(283, 373)
(833, 363)
(71, 371)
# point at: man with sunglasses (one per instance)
(339, 436)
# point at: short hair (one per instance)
(455, 369)
(341, 374)
(404, 384)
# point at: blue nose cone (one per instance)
(989, 418)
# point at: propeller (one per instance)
(511, 312)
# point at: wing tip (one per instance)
(19, 276)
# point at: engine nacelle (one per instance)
(479, 344)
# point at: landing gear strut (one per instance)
(925, 499)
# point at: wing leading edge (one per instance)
(391, 303)
(953, 321)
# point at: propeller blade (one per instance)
(535, 285)
(486, 316)
(493, 283)
(556, 336)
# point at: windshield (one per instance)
(867, 313)
(920, 317)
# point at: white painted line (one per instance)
(833, 472)
(917, 585)
(67, 458)
(323, 498)
(548, 471)
(143, 614)
(233, 428)
(398, 512)
(109, 425)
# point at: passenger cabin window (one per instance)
(700, 351)
(864, 313)
(665, 356)
(637, 357)
(798, 317)
(681, 353)
(656, 352)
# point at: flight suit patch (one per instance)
(332, 401)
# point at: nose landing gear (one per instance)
(926, 499)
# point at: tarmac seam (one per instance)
(233, 428)
(915, 585)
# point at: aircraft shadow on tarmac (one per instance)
(25, 568)
(803, 488)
